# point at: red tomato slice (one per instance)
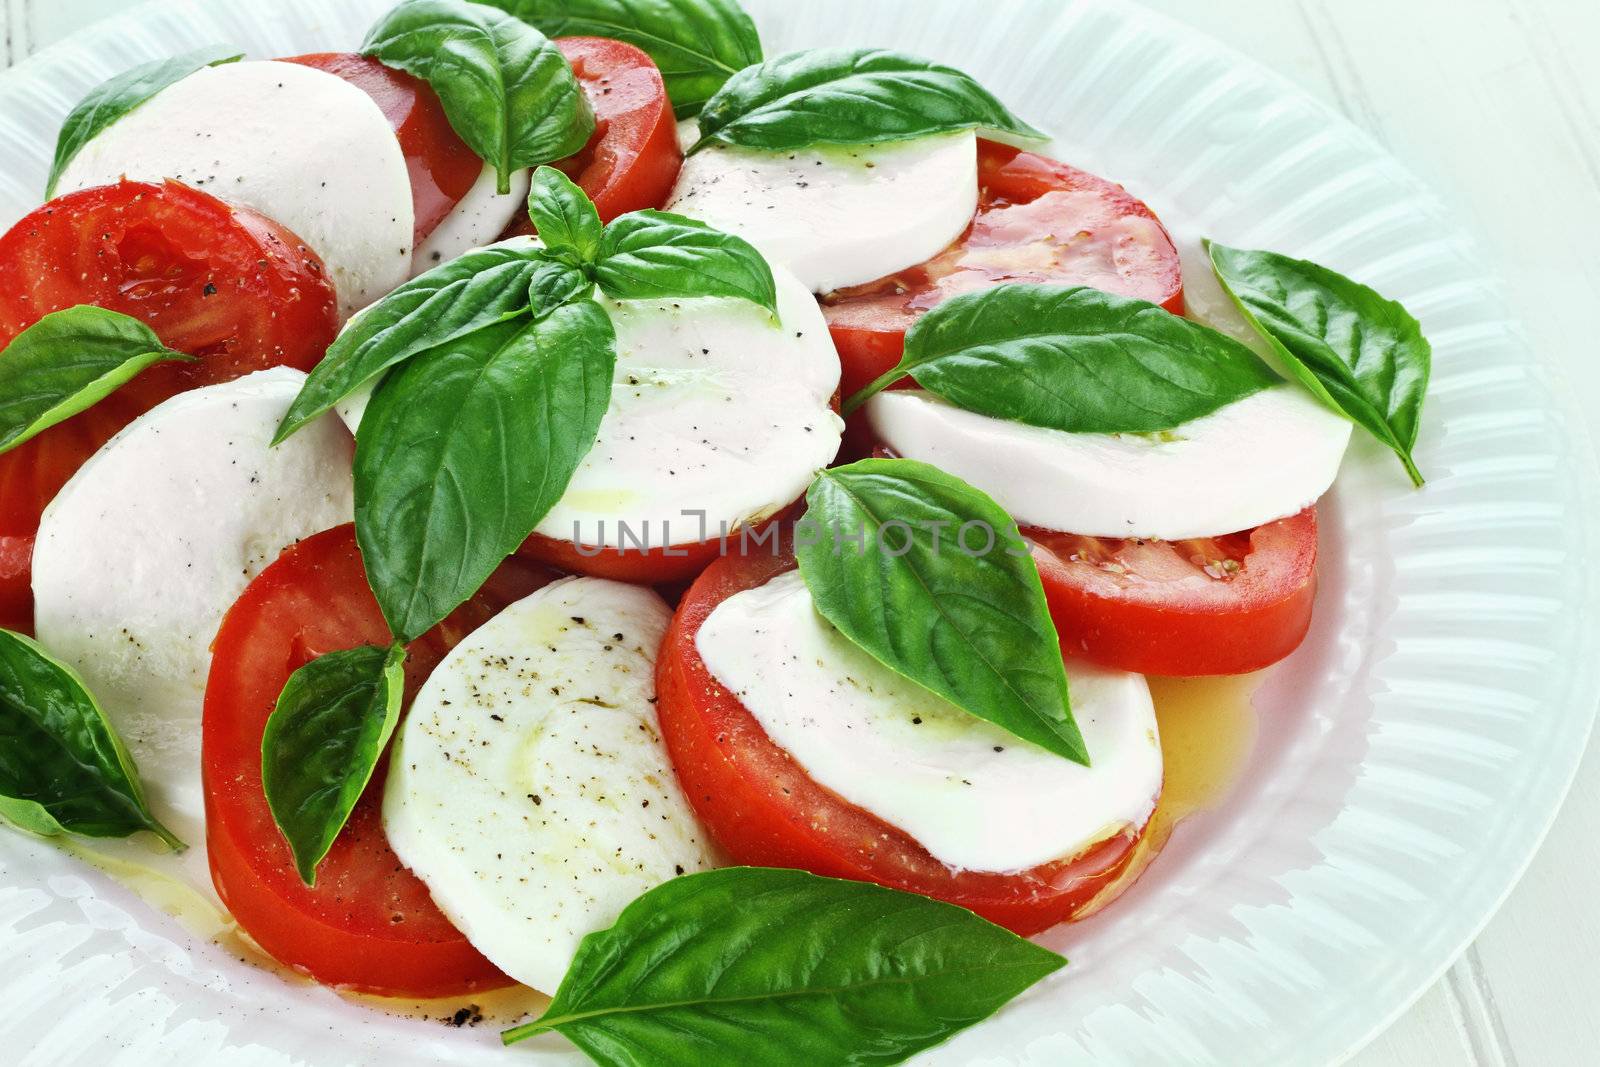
(217, 281)
(764, 809)
(654, 566)
(1037, 221)
(369, 923)
(632, 160)
(1215, 605)
(441, 166)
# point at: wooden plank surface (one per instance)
(1496, 103)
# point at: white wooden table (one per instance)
(1496, 103)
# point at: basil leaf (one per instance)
(697, 44)
(322, 741)
(648, 255)
(68, 361)
(118, 95)
(887, 569)
(781, 967)
(478, 289)
(556, 284)
(564, 215)
(1074, 359)
(1362, 354)
(62, 767)
(508, 92)
(849, 96)
(464, 449)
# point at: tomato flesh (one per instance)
(369, 923)
(1218, 605)
(764, 809)
(441, 166)
(220, 282)
(1038, 220)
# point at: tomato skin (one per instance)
(441, 166)
(220, 282)
(369, 923)
(653, 567)
(1024, 201)
(763, 809)
(1166, 615)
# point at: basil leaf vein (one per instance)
(457, 298)
(322, 742)
(1074, 359)
(1360, 353)
(697, 44)
(67, 362)
(62, 767)
(760, 965)
(971, 626)
(657, 255)
(118, 95)
(508, 92)
(850, 96)
(465, 448)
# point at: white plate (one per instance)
(1411, 756)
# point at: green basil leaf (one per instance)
(322, 742)
(478, 289)
(648, 255)
(850, 96)
(555, 284)
(886, 567)
(780, 967)
(508, 92)
(62, 767)
(464, 449)
(564, 215)
(1074, 359)
(698, 44)
(1362, 354)
(67, 362)
(116, 96)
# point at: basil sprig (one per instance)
(1360, 353)
(930, 577)
(62, 767)
(322, 743)
(117, 96)
(781, 967)
(850, 96)
(67, 362)
(698, 44)
(508, 92)
(1074, 359)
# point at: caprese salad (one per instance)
(558, 497)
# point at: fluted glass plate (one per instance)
(1410, 756)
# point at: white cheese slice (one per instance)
(837, 215)
(477, 219)
(530, 788)
(1259, 459)
(305, 148)
(976, 797)
(154, 538)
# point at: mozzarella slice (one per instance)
(837, 215)
(480, 217)
(303, 147)
(155, 537)
(976, 797)
(719, 417)
(530, 788)
(1259, 459)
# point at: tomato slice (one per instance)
(764, 809)
(1037, 221)
(217, 281)
(1214, 605)
(369, 923)
(441, 166)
